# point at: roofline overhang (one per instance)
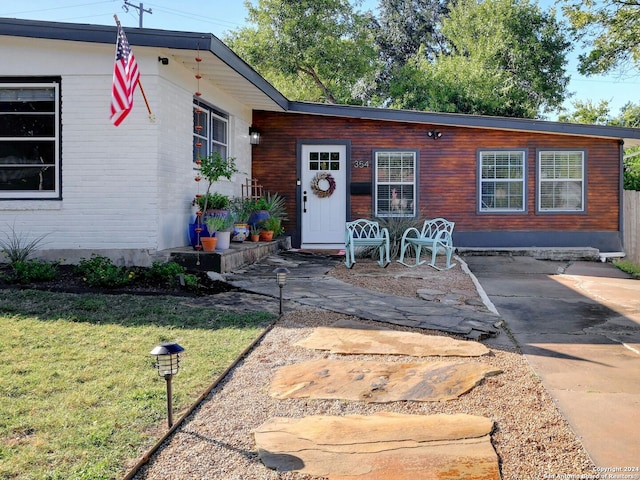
(144, 37)
(194, 41)
(630, 135)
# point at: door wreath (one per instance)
(318, 190)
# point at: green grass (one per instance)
(628, 267)
(80, 395)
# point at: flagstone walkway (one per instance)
(383, 445)
(308, 284)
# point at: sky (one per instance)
(221, 16)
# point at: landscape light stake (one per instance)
(281, 280)
(168, 363)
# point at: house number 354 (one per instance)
(360, 164)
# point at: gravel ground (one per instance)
(532, 439)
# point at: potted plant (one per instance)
(213, 167)
(214, 223)
(254, 233)
(213, 203)
(270, 228)
(270, 205)
(223, 233)
(241, 209)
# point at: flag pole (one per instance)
(152, 117)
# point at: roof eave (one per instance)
(145, 37)
(629, 135)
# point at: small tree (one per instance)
(213, 167)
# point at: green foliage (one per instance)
(218, 223)
(317, 50)
(241, 209)
(18, 249)
(632, 171)
(628, 267)
(28, 271)
(586, 112)
(506, 58)
(215, 201)
(609, 30)
(276, 205)
(272, 224)
(83, 400)
(213, 167)
(99, 271)
(396, 227)
(629, 116)
(403, 26)
(172, 274)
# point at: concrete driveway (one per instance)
(578, 324)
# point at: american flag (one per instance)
(125, 79)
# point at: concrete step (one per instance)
(239, 254)
(539, 253)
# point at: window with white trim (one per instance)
(395, 191)
(502, 181)
(561, 181)
(211, 130)
(29, 140)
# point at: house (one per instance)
(126, 191)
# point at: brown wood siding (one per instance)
(447, 169)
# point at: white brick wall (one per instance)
(124, 189)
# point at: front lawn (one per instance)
(81, 398)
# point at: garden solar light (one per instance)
(281, 280)
(168, 363)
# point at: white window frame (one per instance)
(210, 138)
(36, 194)
(403, 178)
(505, 178)
(564, 176)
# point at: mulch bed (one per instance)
(70, 281)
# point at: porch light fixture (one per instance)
(254, 136)
(434, 134)
(168, 363)
(281, 280)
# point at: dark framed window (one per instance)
(210, 130)
(502, 181)
(395, 183)
(561, 180)
(29, 139)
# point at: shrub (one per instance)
(168, 273)
(397, 226)
(33, 271)
(16, 248)
(99, 271)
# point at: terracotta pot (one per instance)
(255, 238)
(266, 235)
(209, 243)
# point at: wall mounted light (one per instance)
(163, 60)
(254, 136)
(168, 363)
(434, 134)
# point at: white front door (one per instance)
(324, 195)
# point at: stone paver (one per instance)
(358, 338)
(378, 381)
(307, 284)
(386, 446)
